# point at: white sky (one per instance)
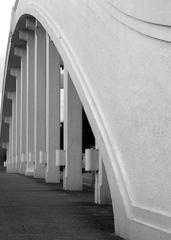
(4, 32)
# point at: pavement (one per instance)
(30, 209)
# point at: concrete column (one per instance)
(52, 110)
(21, 52)
(15, 72)
(6, 146)
(102, 192)
(40, 100)
(9, 162)
(72, 135)
(29, 36)
(14, 133)
(12, 96)
(7, 155)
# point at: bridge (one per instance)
(86, 99)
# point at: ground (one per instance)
(30, 209)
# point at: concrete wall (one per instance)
(120, 66)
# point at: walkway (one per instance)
(33, 210)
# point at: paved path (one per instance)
(33, 210)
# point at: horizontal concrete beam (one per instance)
(8, 120)
(11, 95)
(24, 34)
(15, 72)
(4, 145)
(18, 51)
(31, 24)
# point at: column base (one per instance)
(29, 172)
(22, 164)
(17, 164)
(39, 171)
(70, 185)
(102, 191)
(30, 165)
(52, 175)
(13, 168)
(10, 170)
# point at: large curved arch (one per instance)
(120, 68)
(87, 98)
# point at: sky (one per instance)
(5, 17)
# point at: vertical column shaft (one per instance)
(10, 145)
(40, 100)
(102, 191)
(23, 113)
(16, 72)
(21, 98)
(72, 135)
(30, 105)
(14, 132)
(8, 120)
(6, 147)
(7, 154)
(52, 110)
(18, 93)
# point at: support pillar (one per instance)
(6, 146)
(72, 136)
(40, 100)
(52, 110)
(21, 52)
(12, 96)
(29, 36)
(102, 191)
(8, 120)
(15, 72)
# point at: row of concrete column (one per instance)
(34, 128)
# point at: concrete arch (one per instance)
(75, 42)
(79, 78)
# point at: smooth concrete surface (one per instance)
(42, 163)
(102, 191)
(18, 123)
(33, 210)
(9, 159)
(21, 52)
(13, 132)
(15, 72)
(153, 11)
(72, 136)
(30, 165)
(40, 98)
(29, 37)
(23, 163)
(23, 109)
(52, 110)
